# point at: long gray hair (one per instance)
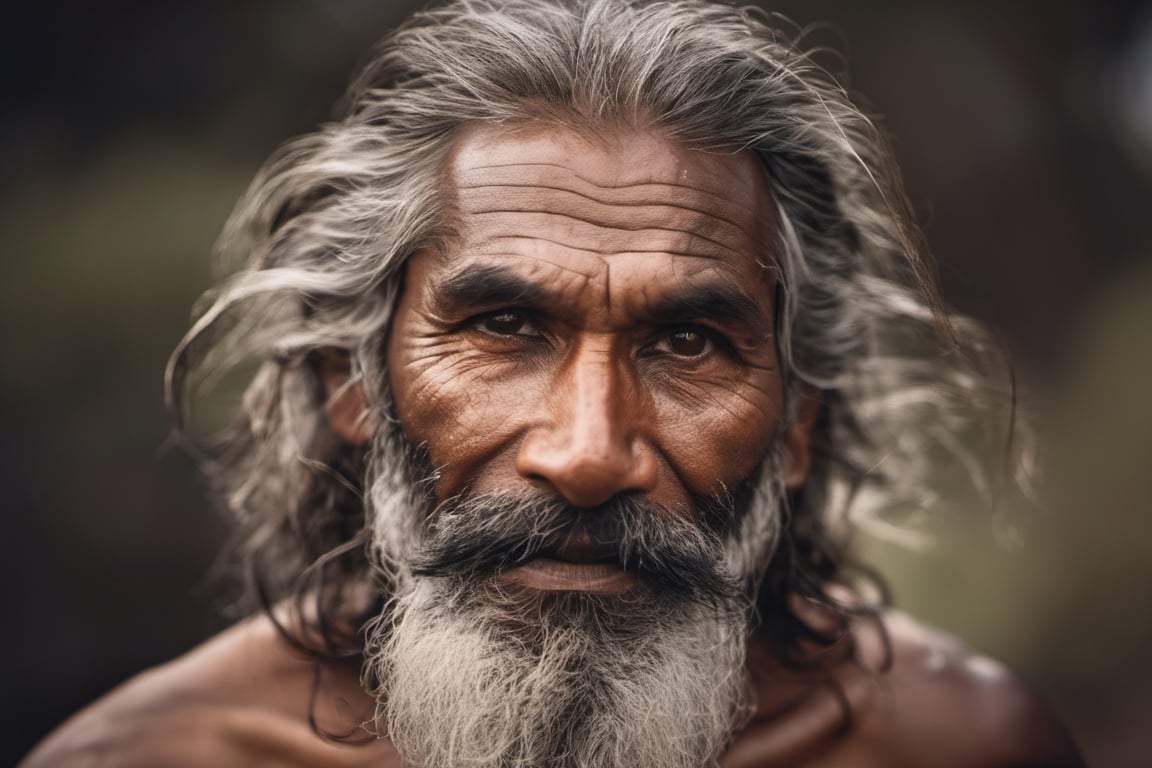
(317, 245)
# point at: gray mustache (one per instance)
(478, 536)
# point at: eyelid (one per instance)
(719, 340)
(530, 320)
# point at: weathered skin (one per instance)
(572, 369)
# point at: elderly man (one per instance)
(581, 330)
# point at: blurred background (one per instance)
(129, 129)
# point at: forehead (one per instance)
(543, 198)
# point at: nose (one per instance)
(589, 444)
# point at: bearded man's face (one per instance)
(589, 368)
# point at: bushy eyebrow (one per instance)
(723, 304)
(495, 286)
(484, 286)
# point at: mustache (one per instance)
(478, 536)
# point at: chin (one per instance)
(481, 673)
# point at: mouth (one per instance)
(580, 564)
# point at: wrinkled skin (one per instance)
(599, 325)
(590, 383)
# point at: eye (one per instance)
(505, 322)
(687, 342)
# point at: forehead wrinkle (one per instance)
(602, 253)
(669, 235)
(608, 231)
(624, 203)
(517, 258)
(491, 169)
(704, 224)
(718, 197)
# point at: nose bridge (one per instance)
(588, 445)
(589, 408)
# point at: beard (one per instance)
(475, 672)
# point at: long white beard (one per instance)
(471, 676)
(465, 690)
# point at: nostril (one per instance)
(585, 478)
(537, 480)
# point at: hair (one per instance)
(317, 245)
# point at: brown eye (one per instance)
(506, 323)
(689, 343)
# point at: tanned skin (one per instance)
(571, 368)
(242, 699)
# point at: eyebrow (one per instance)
(727, 305)
(494, 285)
(487, 286)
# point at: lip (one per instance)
(548, 574)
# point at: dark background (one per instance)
(129, 129)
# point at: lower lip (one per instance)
(557, 576)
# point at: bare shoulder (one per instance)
(895, 694)
(940, 704)
(242, 698)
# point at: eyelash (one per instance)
(711, 341)
(719, 344)
(527, 318)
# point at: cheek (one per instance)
(723, 435)
(465, 409)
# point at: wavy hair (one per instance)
(317, 245)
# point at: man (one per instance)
(579, 330)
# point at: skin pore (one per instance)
(598, 325)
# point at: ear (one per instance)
(345, 404)
(798, 439)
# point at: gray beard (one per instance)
(476, 675)
(467, 684)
